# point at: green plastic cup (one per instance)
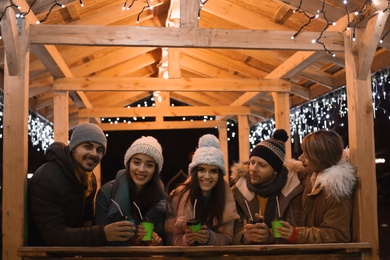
(149, 230)
(276, 223)
(194, 225)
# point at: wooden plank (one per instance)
(243, 138)
(162, 125)
(164, 111)
(282, 116)
(61, 116)
(189, 13)
(180, 37)
(301, 251)
(369, 43)
(223, 143)
(181, 84)
(362, 151)
(9, 32)
(15, 150)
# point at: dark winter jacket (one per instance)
(118, 190)
(59, 213)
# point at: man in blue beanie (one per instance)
(61, 194)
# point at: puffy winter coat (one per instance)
(59, 213)
(327, 209)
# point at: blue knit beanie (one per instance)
(87, 132)
(146, 145)
(209, 153)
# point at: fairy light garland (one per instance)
(329, 111)
(40, 130)
(325, 112)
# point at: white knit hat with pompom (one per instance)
(146, 145)
(209, 153)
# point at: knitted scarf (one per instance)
(269, 191)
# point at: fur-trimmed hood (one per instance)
(241, 169)
(337, 181)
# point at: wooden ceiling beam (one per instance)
(9, 31)
(164, 111)
(52, 59)
(162, 125)
(182, 84)
(180, 37)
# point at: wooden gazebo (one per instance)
(230, 59)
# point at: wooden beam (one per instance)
(189, 13)
(163, 111)
(61, 116)
(9, 31)
(182, 84)
(369, 43)
(15, 149)
(162, 125)
(362, 151)
(180, 37)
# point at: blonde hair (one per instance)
(323, 148)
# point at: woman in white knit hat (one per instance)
(205, 196)
(137, 191)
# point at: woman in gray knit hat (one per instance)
(206, 196)
(136, 192)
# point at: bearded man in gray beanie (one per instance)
(61, 194)
(266, 187)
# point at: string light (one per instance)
(201, 4)
(328, 23)
(324, 111)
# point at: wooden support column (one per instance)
(15, 139)
(362, 150)
(223, 142)
(61, 116)
(282, 116)
(243, 138)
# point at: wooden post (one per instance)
(282, 116)
(243, 138)
(15, 139)
(362, 150)
(61, 116)
(223, 142)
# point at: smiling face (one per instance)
(142, 168)
(261, 172)
(86, 156)
(208, 178)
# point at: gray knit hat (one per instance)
(208, 152)
(146, 145)
(87, 132)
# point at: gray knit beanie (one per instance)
(87, 132)
(208, 152)
(146, 145)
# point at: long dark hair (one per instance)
(212, 210)
(147, 196)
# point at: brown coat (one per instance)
(327, 209)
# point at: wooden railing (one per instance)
(296, 251)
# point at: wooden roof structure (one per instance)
(245, 60)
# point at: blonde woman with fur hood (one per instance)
(258, 183)
(328, 195)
